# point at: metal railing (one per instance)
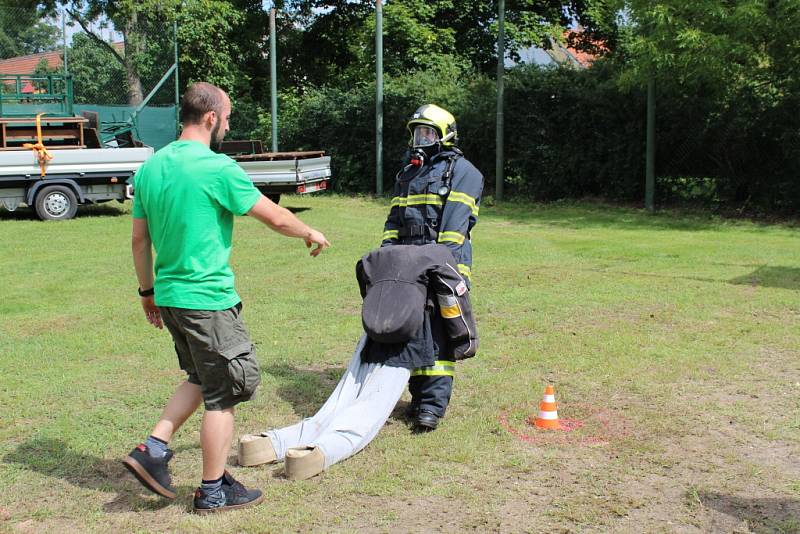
(46, 89)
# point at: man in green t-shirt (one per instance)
(186, 196)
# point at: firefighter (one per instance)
(436, 200)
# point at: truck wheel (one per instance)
(56, 203)
(276, 198)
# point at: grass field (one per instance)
(673, 339)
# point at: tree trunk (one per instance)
(133, 47)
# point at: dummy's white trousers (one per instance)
(353, 414)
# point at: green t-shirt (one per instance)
(189, 195)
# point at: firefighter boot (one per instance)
(304, 462)
(426, 421)
(256, 450)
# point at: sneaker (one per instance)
(236, 496)
(153, 473)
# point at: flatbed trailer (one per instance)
(73, 177)
(274, 173)
(94, 175)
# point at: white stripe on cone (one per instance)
(549, 398)
(548, 415)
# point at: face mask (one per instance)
(424, 136)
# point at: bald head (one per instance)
(199, 99)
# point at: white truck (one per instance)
(94, 175)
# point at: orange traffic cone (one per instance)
(548, 411)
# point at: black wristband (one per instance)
(147, 292)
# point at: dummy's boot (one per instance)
(304, 462)
(256, 450)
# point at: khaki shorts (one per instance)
(216, 352)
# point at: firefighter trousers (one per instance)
(431, 386)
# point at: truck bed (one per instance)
(287, 172)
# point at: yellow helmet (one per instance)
(432, 116)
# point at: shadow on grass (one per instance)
(94, 210)
(761, 514)
(579, 215)
(767, 276)
(305, 389)
(297, 210)
(54, 458)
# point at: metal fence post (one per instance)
(650, 162)
(273, 75)
(501, 69)
(378, 98)
(64, 36)
(177, 81)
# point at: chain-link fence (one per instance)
(61, 62)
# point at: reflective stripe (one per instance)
(465, 270)
(423, 372)
(390, 234)
(446, 300)
(453, 237)
(549, 398)
(413, 200)
(548, 415)
(441, 368)
(450, 312)
(463, 198)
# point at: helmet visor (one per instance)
(424, 136)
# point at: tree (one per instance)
(24, 28)
(205, 28)
(98, 78)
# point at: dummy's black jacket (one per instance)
(400, 285)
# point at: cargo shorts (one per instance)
(216, 352)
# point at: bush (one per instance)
(568, 134)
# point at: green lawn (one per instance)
(674, 339)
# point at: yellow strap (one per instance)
(390, 234)
(450, 312)
(38, 147)
(452, 237)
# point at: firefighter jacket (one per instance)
(437, 202)
(400, 285)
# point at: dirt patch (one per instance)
(589, 425)
(42, 326)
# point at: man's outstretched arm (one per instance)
(286, 223)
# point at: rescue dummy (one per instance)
(400, 286)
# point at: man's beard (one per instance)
(215, 143)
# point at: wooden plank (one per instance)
(44, 120)
(272, 156)
(47, 133)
